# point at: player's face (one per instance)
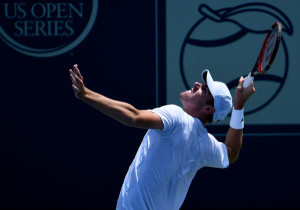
(196, 98)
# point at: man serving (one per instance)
(177, 143)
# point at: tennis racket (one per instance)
(267, 53)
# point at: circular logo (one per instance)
(220, 35)
(46, 28)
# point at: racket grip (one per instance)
(248, 80)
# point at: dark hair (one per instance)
(210, 117)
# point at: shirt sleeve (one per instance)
(219, 156)
(169, 115)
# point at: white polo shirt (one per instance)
(167, 161)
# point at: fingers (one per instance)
(242, 94)
(241, 81)
(250, 88)
(76, 71)
(75, 88)
(76, 80)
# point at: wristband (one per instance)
(237, 119)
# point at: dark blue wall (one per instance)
(55, 150)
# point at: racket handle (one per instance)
(248, 80)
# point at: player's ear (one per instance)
(210, 109)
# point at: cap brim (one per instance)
(207, 78)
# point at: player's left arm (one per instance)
(120, 111)
(234, 137)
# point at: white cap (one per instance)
(221, 94)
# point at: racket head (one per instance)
(269, 48)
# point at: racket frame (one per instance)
(258, 67)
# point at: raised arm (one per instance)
(120, 111)
(234, 136)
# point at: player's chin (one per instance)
(185, 95)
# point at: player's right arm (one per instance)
(123, 112)
(234, 137)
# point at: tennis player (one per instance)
(177, 143)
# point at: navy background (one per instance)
(56, 151)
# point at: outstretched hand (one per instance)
(77, 80)
(242, 94)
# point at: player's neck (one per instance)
(197, 115)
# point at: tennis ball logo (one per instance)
(46, 28)
(227, 41)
